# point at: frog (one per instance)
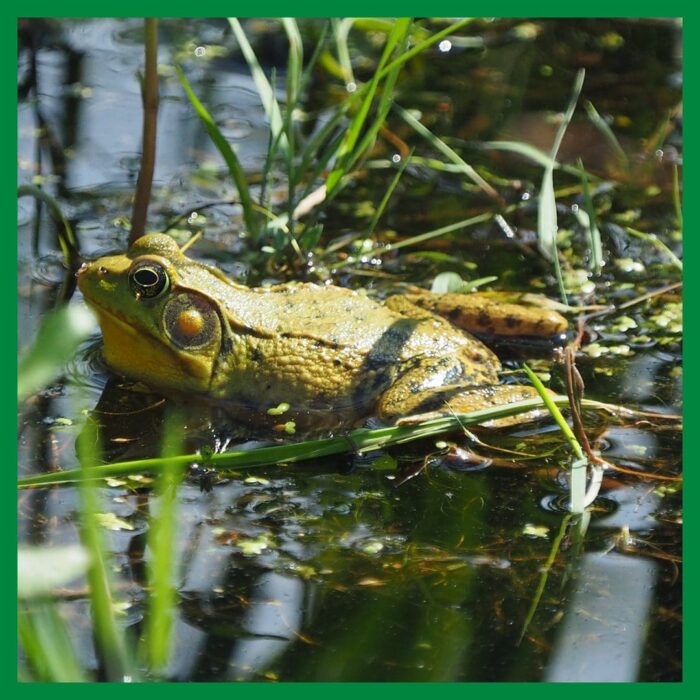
(313, 356)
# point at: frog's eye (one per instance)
(190, 321)
(148, 279)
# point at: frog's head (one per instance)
(158, 312)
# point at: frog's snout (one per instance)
(86, 267)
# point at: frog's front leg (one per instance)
(491, 313)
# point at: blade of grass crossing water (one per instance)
(228, 154)
(357, 441)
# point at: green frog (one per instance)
(307, 355)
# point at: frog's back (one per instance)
(340, 318)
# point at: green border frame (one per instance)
(310, 8)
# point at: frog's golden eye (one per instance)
(148, 279)
(190, 321)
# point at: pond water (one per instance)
(339, 569)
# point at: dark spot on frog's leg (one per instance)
(512, 322)
(454, 314)
(483, 319)
(256, 355)
(336, 362)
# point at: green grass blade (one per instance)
(356, 441)
(341, 29)
(265, 90)
(588, 220)
(422, 237)
(532, 153)
(552, 407)
(295, 61)
(384, 104)
(607, 132)
(387, 195)
(161, 543)
(423, 45)
(577, 480)
(321, 158)
(654, 240)
(45, 639)
(443, 148)
(677, 197)
(66, 237)
(227, 153)
(347, 145)
(547, 208)
(109, 637)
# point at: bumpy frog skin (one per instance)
(333, 354)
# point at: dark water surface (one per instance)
(327, 570)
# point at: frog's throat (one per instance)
(137, 354)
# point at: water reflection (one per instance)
(604, 629)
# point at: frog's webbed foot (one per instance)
(450, 400)
(493, 313)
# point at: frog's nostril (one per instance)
(81, 269)
(101, 270)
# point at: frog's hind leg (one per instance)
(434, 403)
(493, 313)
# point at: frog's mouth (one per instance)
(135, 353)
